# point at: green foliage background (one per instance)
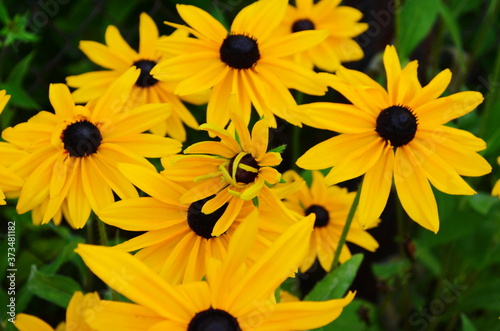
(448, 281)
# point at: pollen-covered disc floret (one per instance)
(245, 170)
(302, 25)
(213, 319)
(397, 124)
(81, 138)
(145, 79)
(203, 224)
(322, 215)
(239, 51)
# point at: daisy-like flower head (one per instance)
(118, 57)
(244, 61)
(233, 297)
(179, 243)
(331, 206)
(235, 169)
(73, 153)
(341, 22)
(75, 315)
(400, 133)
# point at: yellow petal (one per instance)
(105, 56)
(25, 322)
(393, 72)
(249, 19)
(148, 34)
(295, 43)
(98, 191)
(61, 100)
(149, 145)
(433, 90)
(226, 220)
(203, 23)
(115, 41)
(414, 191)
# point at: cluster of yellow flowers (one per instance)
(222, 228)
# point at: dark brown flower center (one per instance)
(322, 215)
(145, 79)
(397, 124)
(81, 138)
(213, 320)
(242, 175)
(302, 25)
(239, 51)
(203, 224)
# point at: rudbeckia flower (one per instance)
(396, 133)
(331, 205)
(74, 152)
(178, 242)
(75, 315)
(233, 297)
(340, 21)
(244, 61)
(118, 57)
(233, 170)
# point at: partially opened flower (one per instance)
(341, 22)
(400, 133)
(331, 206)
(118, 57)
(233, 297)
(178, 242)
(233, 170)
(75, 316)
(244, 61)
(74, 152)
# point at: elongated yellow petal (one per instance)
(249, 19)
(61, 100)
(433, 90)
(148, 33)
(393, 71)
(25, 322)
(203, 22)
(116, 42)
(105, 56)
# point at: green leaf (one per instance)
(53, 288)
(417, 18)
(4, 15)
(359, 315)
(13, 85)
(482, 202)
(453, 28)
(278, 149)
(466, 323)
(335, 284)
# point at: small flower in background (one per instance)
(4, 98)
(331, 205)
(118, 56)
(75, 315)
(233, 297)
(496, 188)
(245, 62)
(396, 133)
(236, 169)
(341, 22)
(73, 153)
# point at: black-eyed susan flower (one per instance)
(233, 297)
(74, 152)
(178, 242)
(244, 61)
(496, 188)
(397, 133)
(118, 57)
(341, 22)
(331, 206)
(75, 315)
(233, 170)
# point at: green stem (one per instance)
(102, 232)
(345, 230)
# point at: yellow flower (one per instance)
(331, 205)
(235, 169)
(244, 61)
(75, 318)
(74, 152)
(233, 297)
(4, 98)
(396, 133)
(340, 21)
(496, 188)
(118, 56)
